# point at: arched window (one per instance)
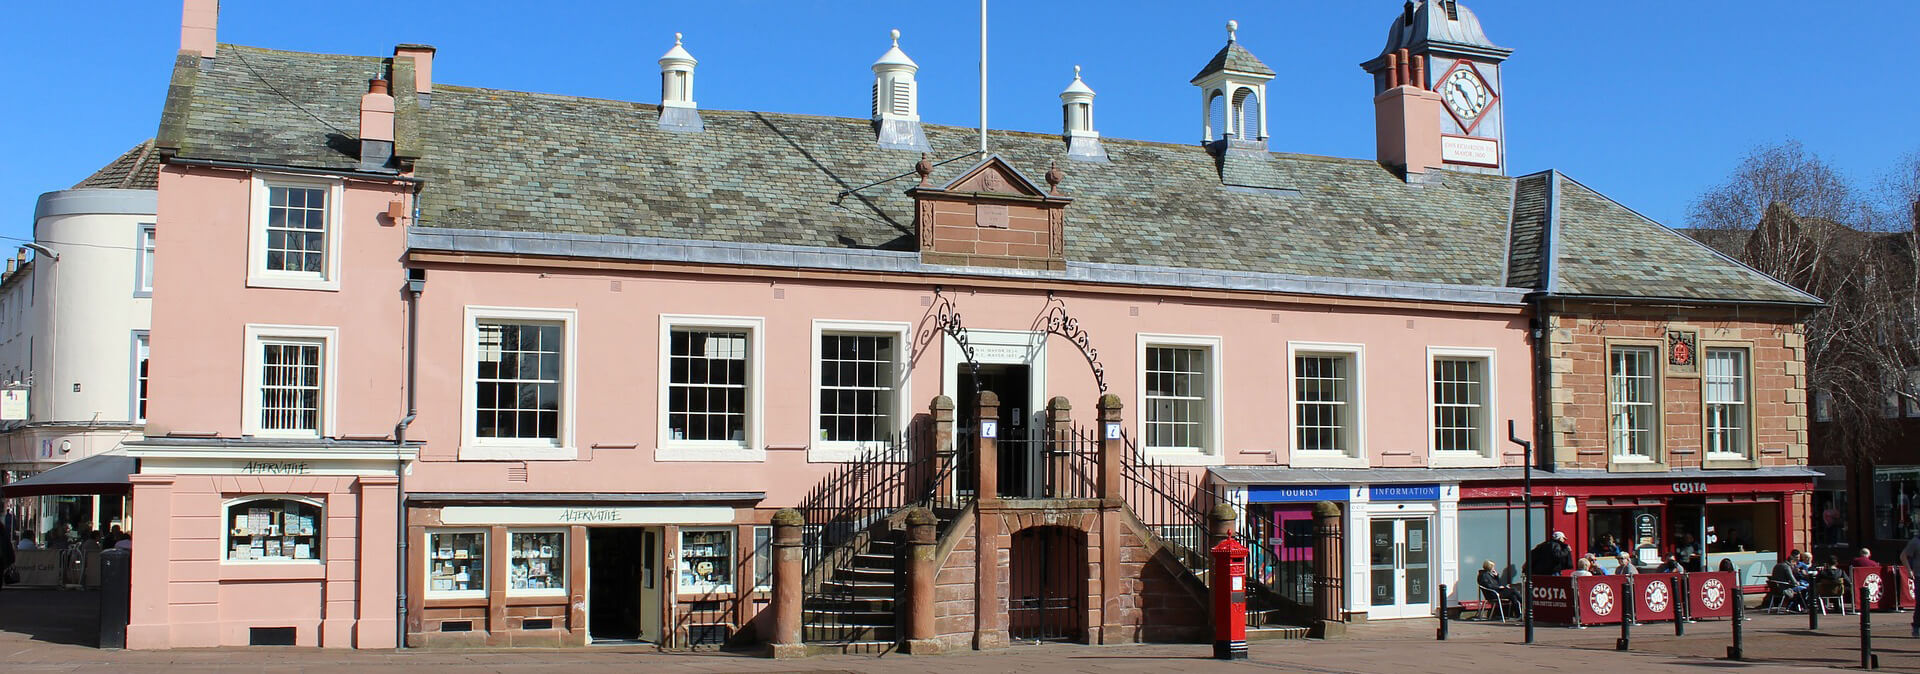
(1246, 114)
(274, 529)
(1217, 117)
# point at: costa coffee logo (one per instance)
(1600, 599)
(1713, 594)
(1555, 593)
(1658, 597)
(1689, 487)
(1872, 586)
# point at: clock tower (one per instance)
(1463, 67)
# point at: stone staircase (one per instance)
(853, 612)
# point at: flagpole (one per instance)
(983, 77)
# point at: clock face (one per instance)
(1467, 95)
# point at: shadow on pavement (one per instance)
(54, 616)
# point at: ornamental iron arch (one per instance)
(1059, 322)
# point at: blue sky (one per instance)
(1651, 102)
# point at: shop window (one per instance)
(537, 562)
(277, 529)
(762, 558)
(1327, 413)
(1724, 389)
(1747, 534)
(457, 563)
(1633, 403)
(710, 404)
(1896, 495)
(706, 560)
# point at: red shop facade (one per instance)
(1749, 518)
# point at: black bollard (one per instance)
(1441, 633)
(1867, 659)
(1681, 606)
(1736, 652)
(1626, 613)
(1813, 613)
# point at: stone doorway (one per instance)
(1047, 584)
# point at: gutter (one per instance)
(250, 166)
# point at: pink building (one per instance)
(546, 367)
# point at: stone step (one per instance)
(1276, 632)
(850, 618)
(850, 647)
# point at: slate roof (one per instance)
(515, 161)
(136, 169)
(1236, 58)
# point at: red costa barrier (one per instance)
(1587, 600)
(1900, 578)
(1876, 589)
(1710, 594)
(1655, 596)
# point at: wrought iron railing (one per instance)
(852, 582)
(1173, 502)
(1051, 461)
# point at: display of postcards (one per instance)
(242, 551)
(537, 568)
(273, 547)
(302, 551)
(546, 551)
(443, 584)
(460, 554)
(258, 520)
(240, 525)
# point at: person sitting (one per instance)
(1726, 565)
(125, 542)
(1830, 580)
(1864, 561)
(1789, 582)
(1626, 564)
(26, 542)
(1607, 547)
(1593, 566)
(1490, 587)
(1672, 565)
(1584, 567)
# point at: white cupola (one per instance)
(1076, 110)
(678, 112)
(896, 101)
(1233, 91)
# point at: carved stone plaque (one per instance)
(991, 215)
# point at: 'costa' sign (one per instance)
(1689, 487)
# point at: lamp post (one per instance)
(1526, 508)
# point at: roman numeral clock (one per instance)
(1469, 98)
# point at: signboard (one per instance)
(1710, 595)
(1876, 589)
(1655, 596)
(1404, 492)
(1587, 600)
(1553, 599)
(1905, 596)
(1280, 494)
(13, 404)
(1683, 352)
(1470, 150)
(585, 515)
(989, 428)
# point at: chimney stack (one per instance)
(198, 20)
(1083, 143)
(1407, 118)
(422, 55)
(376, 126)
(678, 111)
(896, 101)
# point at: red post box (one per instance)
(1230, 600)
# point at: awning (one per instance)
(98, 474)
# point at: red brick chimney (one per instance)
(1406, 117)
(376, 126)
(198, 18)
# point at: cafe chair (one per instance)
(1777, 597)
(1491, 601)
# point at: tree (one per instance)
(1789, 214)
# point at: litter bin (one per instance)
(116, 596)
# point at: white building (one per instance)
(74, 316)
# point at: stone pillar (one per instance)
(921, 568)
(989, 615)
(1057, 451)
(789, 574)
(149, 617)
(1111, 446)
(942, 413)
(1112, 597)
(1220, 524)
(379, 578)
(986, 454)
(1329, 571)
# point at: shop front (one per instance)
(675, 570)
(1401, 540)
(1706, 519)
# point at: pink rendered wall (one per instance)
(202, 305)
(618, 387)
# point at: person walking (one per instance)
(7, 555)
(1910, 558)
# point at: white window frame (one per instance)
(1212, 453)
(1746, 417)
(475, 448)
(1356, 457)
(1489, 405)
(1657, 432)
(144, 245)
(426, 554)
(821, 450)
(258, 276)
(752, 448)
(142, 341)
(329, 338)
(733, 558)
(565, 558)
(759, 555)
(226, 529)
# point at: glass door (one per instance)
(1400, 563)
